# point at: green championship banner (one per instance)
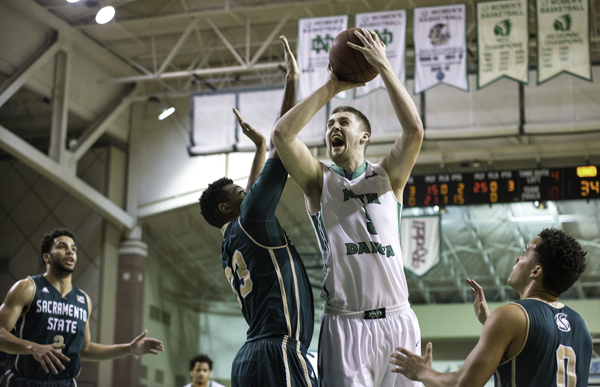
(563, 38)
(390, 26)
(502, 41)
(315, 36)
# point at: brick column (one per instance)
(130, 308)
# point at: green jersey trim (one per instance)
(359, 171)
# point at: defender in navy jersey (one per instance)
(263, 267)
(44, 323)
(537, 341)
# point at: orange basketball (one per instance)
(347, 63)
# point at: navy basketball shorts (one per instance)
(278, 362)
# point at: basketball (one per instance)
(347, 63)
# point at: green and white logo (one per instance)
(386, 36)
(563, 23)
(321, 43)
(503, 28)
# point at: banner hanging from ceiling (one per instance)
(502, 41)
(563, 38)
(440, 47)
(315, 36)
(390, 26)
(421, 243)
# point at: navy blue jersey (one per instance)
(557, 350)
(263, 267)
(52, 318)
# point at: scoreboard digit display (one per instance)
(582, 183)
(502, 186)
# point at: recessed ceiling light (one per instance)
(105, 15)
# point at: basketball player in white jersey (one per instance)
(355, 209)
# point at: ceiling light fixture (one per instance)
(105, 15)
(165, 112)
(72, 1)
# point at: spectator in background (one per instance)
(200, 370)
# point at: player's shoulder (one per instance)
(22, 291)
(509, 314)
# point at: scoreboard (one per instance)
(503, 186)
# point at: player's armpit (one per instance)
(502, 337)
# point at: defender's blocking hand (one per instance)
(254, 135)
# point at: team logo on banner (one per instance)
(421, 243)
(502, 41)
(440, 47)
(563, 38)
(390, 26)
(315, 36)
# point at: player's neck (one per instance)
(535, 292)
(202, 385)
(351, 164)
(62, 282)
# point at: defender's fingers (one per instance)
(429, 350)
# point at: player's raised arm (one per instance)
(297, 158)
(402, 158)
(289, 91)
(18, 298)
(259, 154)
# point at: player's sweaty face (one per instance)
(343, 135)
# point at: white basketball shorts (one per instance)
(355, 347)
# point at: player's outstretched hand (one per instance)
(410, 364)
(290, 61)
(141, 345)
(373, 48)
(257, 138)
(480, 304)
(50, 357)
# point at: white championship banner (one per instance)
(315, 36)
(563, 38)
(440, 47)
(391, 28)
(502, 41)
(420, 243)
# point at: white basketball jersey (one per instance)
(358, 229)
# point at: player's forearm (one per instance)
(288, 126)
(289, 101)
(432, 378)
(97, 352)
(404, 106)
(257, 164)
(13, 345)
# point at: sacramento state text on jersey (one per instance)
(52, 319)
(58, 308)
